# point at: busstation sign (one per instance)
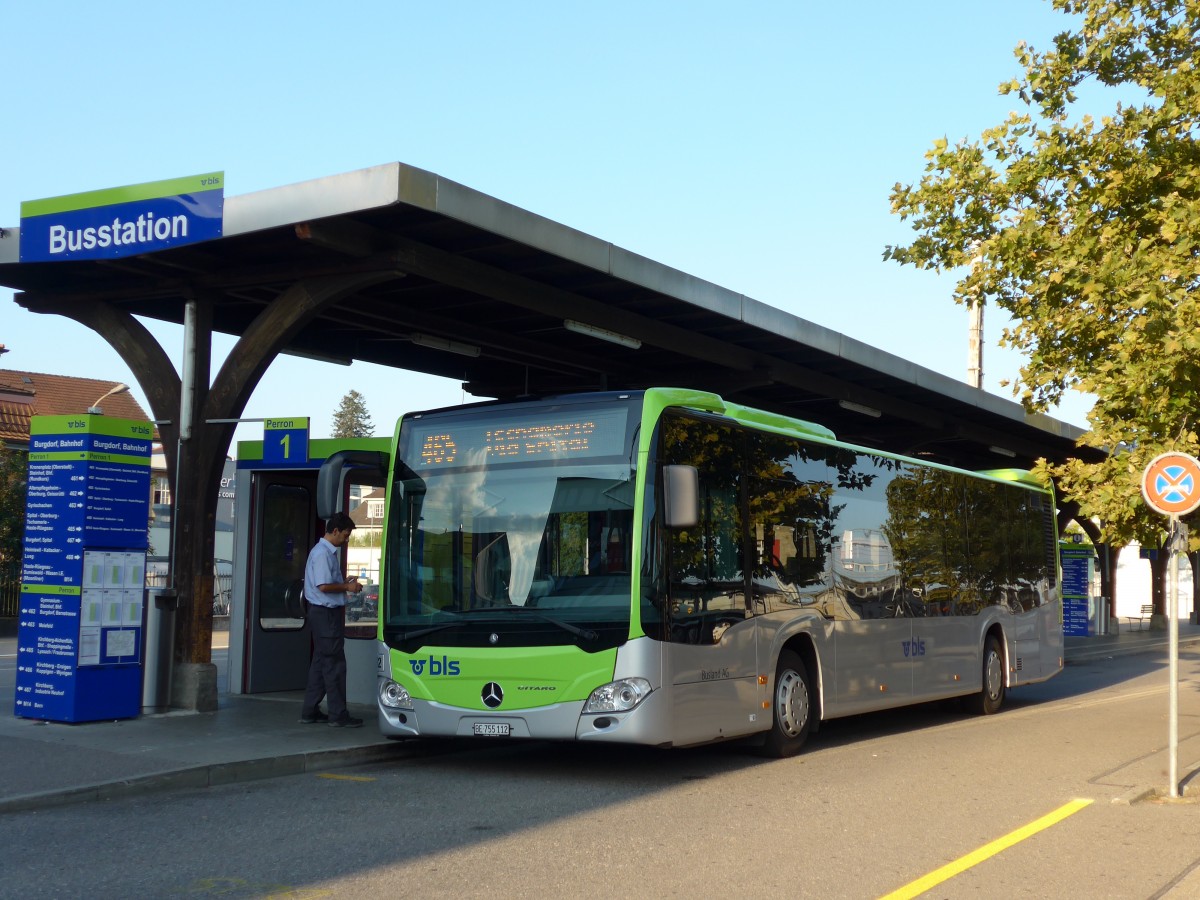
(1171, 484)
(123, 221)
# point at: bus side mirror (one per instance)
(329, 477)
(681, 496)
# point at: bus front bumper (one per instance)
(644, 724)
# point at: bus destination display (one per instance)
(517, 438)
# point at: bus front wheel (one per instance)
(991, 696)
(791, 718)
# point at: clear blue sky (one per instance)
(753, 145)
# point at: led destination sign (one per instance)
(515, 437)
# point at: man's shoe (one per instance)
(346, 722)
(313, 718)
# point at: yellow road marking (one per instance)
(345, 777)
(948, 871)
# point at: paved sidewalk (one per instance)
(249, 737)
(1126, 640)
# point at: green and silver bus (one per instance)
(663, 567)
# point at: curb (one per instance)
(1134, 795)
(205, 776)
(1091, 654)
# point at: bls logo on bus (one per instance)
(915, 647)
(443, 666)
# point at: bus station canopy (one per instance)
(463, 285)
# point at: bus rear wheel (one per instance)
(991, 696)
(791, 717)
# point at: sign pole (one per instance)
(1177, 533)
(1171, 487)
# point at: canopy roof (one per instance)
(507, 302)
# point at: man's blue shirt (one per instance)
(323, 567)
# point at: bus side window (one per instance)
(707, 576)
(790, 558)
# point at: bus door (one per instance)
(874, 644)
(284, 527)
(1028, 630)
(874, 660)
(712, 663)
(711, 654)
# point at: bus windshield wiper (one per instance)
(421, 632)
(583, 633)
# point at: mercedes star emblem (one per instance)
(493, 695)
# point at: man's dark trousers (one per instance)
(327, 673)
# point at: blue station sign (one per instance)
(83, 581)
(285, 441)
(1077, 571)
(123, 221)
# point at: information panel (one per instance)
(1076, 587)
(83, 570)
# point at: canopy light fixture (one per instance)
(1002, 451)
(433, 342)
(859, 408)
(603, 334)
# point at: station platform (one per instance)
(48, 764)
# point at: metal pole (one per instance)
(975, 344)
(975, 327)
(187, 399)
(1173, 656)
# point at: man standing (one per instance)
(325, 590)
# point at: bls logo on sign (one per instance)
(443, 666)
(915, 647)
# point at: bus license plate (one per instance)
(491, 729)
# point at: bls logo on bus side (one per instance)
(443, 666)
(915, 647)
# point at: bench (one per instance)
(1147, 612)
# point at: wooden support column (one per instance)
(195, 476)
(193, 518)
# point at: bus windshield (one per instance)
(510, 554)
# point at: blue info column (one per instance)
(1077, 571)
(79, 636)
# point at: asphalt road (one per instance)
(874, 803)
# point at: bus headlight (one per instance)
(394, 696)
(618, 696)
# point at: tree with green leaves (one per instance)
(1082, 220)
(351, 418)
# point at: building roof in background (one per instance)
(359, 515)
(26, 394)
(15, 409)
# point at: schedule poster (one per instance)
(1076, 587)
(83, 571)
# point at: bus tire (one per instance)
(991, 695)
(791, 709)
